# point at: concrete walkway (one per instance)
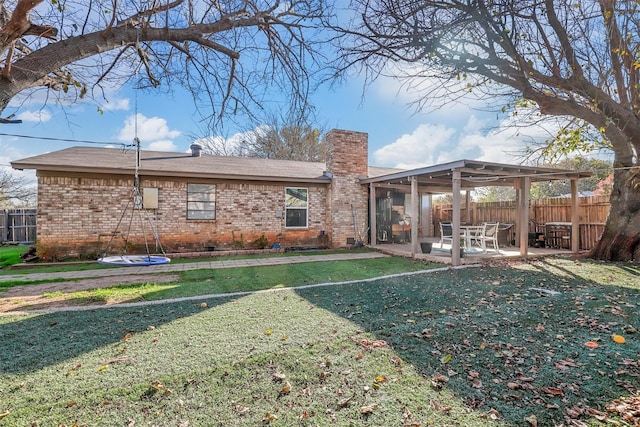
(166, 268)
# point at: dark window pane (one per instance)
(296, 218)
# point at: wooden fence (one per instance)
(593, 213)
(17, 225)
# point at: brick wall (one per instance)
(347, 160)
(78, 215)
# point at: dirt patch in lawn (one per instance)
(32, 297)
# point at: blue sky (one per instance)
(398, 137)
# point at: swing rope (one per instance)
(135, 201)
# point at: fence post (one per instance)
(4, 226)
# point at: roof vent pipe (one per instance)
(196, 150)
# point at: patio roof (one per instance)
(473, 173)
(461, 175)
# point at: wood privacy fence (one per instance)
(17, 225)
(593, 213)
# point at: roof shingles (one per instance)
(117, 161)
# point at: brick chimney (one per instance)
(347, 161)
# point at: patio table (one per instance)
(468, 232)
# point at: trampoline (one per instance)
(134, 260)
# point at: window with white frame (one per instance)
(201, 201)
(296, 204)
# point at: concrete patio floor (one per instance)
(472, 256)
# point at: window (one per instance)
(201, 201)
(295, 204)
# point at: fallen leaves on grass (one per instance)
(592, 344)
(118, 359)
(369, 345)
(160, 387)
(345, 402)
(368, 409)
(565, 364)
(286, 388)
(438, 380)
(4, 414)
(552, 391)
(240, 410)
(619, 339)
(74, 369)
(628, 408)
(278, 376)
(269, 417)
(440, 408)
(533, 420)
(493, 414)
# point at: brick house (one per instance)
(196, 202)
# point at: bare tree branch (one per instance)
(576, 60)
(228, 53)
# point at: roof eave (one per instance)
(172, 174)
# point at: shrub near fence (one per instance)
(593, 213)
(17, 225)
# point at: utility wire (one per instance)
(83, 141)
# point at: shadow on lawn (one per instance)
(37, 341)
(501, 343)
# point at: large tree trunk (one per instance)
(620, 240)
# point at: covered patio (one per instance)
(419, 186)
(475, 256)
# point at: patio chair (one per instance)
(489, 234)
(446, 233)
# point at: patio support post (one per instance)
(575, 217)
(414, 215)
(373, 226)
(455, 223)
(467, 207)
(518, 225)
(523, 217)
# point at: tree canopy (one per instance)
(577, 60)
(15, 190)
(229, 54)
(280, 136)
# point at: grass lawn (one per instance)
(470, 347)
(248, 279)
(10, 255)
(227, 280)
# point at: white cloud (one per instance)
(122, 104)
(152, 132)
(165, 145)
(34, 116)
(407, 84)
(417, 149)
(432, 144)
